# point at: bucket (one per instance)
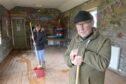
(39, 72)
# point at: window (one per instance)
(0, 39)
(0, 31)
(93, 11)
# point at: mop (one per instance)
(39, 72)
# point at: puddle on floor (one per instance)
(31, 76)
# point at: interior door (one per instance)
(19, 33)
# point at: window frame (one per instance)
(94, 12)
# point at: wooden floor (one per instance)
(17, 68)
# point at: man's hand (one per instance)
(73, 54)
(77, 60)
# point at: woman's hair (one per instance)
(38, 25)
(41, 28)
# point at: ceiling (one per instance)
(62, 5)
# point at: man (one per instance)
(89, 50)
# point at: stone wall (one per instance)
(5, 30)
(112, 23)
(47, 17)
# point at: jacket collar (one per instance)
(91, 37)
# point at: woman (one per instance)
(39, 42)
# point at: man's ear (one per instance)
(92, 22)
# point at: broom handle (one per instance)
(32, 35)
(33, 40)
(77, 74)
(78, 67)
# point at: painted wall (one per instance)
(5, 29)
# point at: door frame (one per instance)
(16, 17)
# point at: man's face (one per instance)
(84, 28)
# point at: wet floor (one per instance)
(18, 68)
